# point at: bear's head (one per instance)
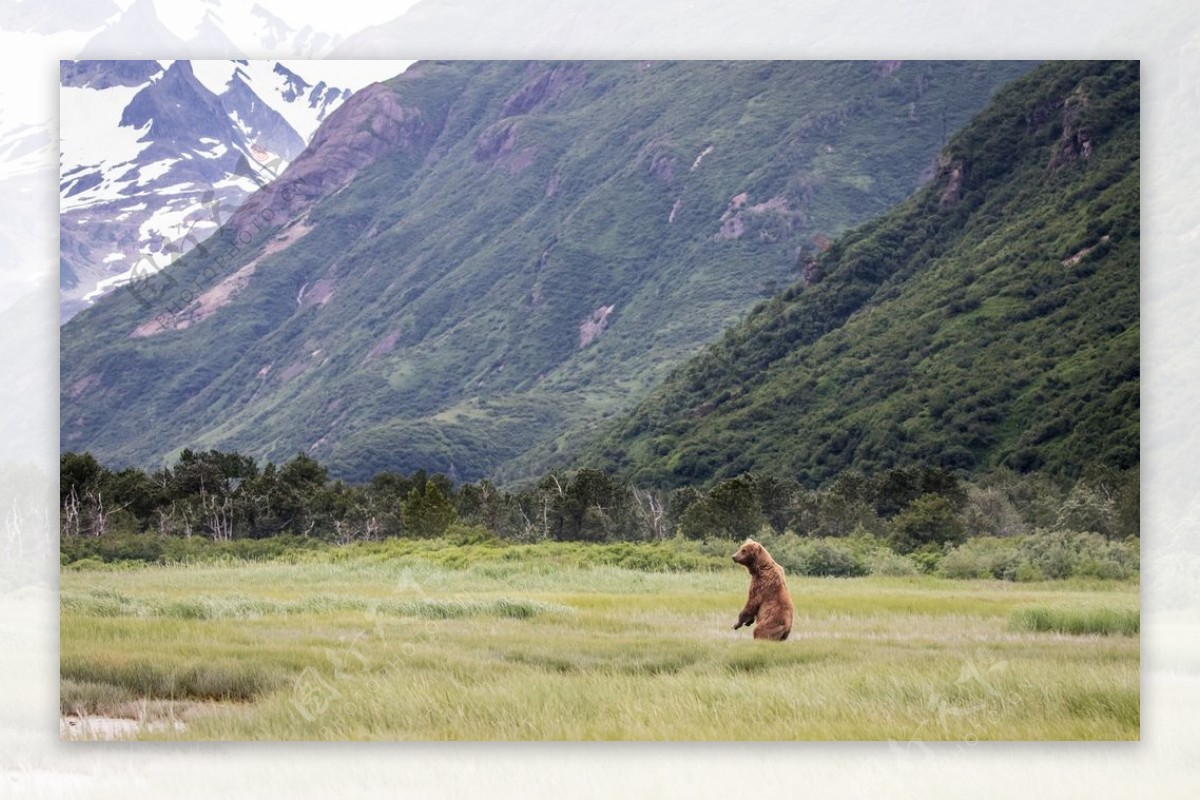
(750, 554)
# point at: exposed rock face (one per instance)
(499, 146)
(662, 167)
(1075, 258)
(549, 85)
(372, 122)
(952, 174)
(592, 327)
(732, 228)
(216, 297)
(498, 140)
(1076, 140)
(812, 271)
(734, 220)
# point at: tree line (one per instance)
(225, 496)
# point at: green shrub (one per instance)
(963, 563)
(1029, 572)
(1034, 557)
(928, 520)
(831, 558)
(818, 557)
(928, 557)
(1108, 559)
(983, 557)
(86, 563)
(1042, 555)
(1052, 552)
(149, 547)
(890, 563)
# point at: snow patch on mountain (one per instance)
(91, 130)
(156, 154)
(153, 171)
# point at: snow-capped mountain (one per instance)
(155, 155)
(124, 29)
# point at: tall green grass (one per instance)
(219, 680)
(110, 604)
(1066, 620)
(384, 644)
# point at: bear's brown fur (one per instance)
(769, 605)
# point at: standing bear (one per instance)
(769, 603)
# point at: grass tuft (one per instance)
(92, 697)
(222, 680)
(1067, 620)
(444, 610)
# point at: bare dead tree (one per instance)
(371, 528)
(188, 518)
(529, 530)
(69, 523)
(218, 514)
(487, 502)
(99, 518)
(343, 532)
(97, 523)
(546, 499)
(652, 511)
(165, 519)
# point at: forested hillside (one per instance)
(475, 263)
(989, 321)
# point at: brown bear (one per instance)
(769, 603)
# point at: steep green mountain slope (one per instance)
(475, 262)
(990, 320)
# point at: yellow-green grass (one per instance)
(406, 649)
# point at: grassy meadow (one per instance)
(433, 641)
